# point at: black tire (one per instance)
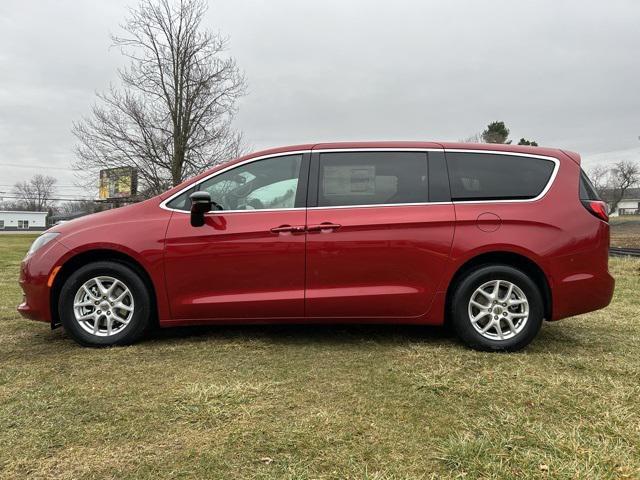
(463, 292)
(139, 320)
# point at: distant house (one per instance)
(630, 203)
(22, 220)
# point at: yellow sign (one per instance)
(120, 182)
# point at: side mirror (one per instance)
(200, 204)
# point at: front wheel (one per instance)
(497, 307)
(103, 304)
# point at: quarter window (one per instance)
(372, 178)
(587, 190)
(486, 176)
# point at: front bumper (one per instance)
(34, 275)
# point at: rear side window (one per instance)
(488, 176)
(372, 178)
(587, 190)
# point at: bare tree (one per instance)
(84, 206)
(171, 117)
(35, 194)
(599, 176)
(624, 175)
(475, 138)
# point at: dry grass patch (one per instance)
(625, 231)
(321, 402)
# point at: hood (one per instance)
(129, 213)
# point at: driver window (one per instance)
(269, 183)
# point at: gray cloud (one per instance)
(564, 72)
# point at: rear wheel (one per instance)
(497, 307)
(103, 304)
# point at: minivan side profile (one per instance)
(491, 239)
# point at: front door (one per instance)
(379, 237)
(248, 260)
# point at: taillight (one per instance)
(597, 209)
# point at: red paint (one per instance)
(381, 262)
(373, 264)
(235, 267)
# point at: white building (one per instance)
(20, 220)
(629, 205)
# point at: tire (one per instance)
(525, 317)
(122, 317)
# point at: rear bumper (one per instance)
(582, 293)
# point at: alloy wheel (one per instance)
(103, 306)
(498, 310)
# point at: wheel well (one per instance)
(503, 258)
(90, 256)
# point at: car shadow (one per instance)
(550, 337)
(305, 334)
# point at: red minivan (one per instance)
(491, 239)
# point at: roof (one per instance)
(24, 212)
(631, 194)
(445, 145)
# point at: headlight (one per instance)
(41, 241)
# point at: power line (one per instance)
(15, 194)
(50, 199)
(49, 167)
(11, 185)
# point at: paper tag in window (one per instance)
(349, 180)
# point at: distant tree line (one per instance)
(35, 194)
(38, 194)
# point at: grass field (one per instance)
(625, 231)
(322, 402)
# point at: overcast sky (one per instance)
(563, 72)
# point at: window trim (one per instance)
(554, 173)
(314, 177)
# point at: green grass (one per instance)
(321, 402)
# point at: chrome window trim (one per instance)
(224, 212)
(375, 205)
(373, 149)
(547, 187)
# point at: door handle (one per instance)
(323, 227)
(288, 229)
